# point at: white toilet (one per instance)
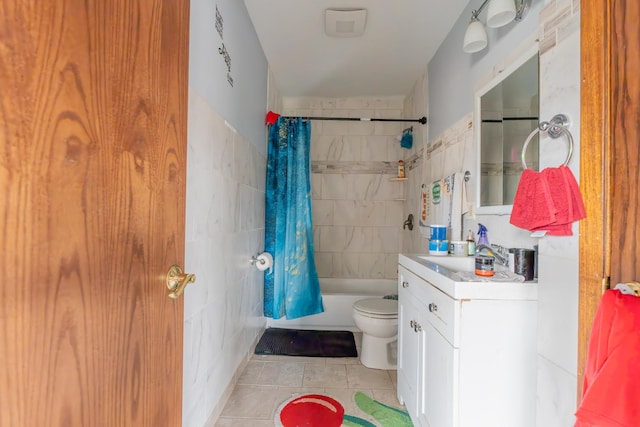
(377, 318)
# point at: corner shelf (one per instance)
(400, 199)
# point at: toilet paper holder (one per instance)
(254, 260)
(262, 262)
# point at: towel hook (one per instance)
(555, 128)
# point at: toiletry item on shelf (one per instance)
(482, 235)
(471, 244)
(401, 169)
(484, 265)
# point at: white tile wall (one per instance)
(357, 214)
(225, 227)
(559, 261)
(415, 105)
(556, 396)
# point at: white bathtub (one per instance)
(338, 296)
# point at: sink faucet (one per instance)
(496, 251)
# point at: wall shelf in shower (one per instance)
(398, 179)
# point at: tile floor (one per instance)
(267, 381)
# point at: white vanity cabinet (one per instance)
(464, 362)
(424, 354)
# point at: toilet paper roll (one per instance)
(265, 261)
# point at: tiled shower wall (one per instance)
(416, 105)
(358, 209)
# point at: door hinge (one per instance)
(606, 283)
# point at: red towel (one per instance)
(579, 212)
(611, 388)
(567, 199)
(532, 205)
(549, 200)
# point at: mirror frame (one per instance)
(477, 129)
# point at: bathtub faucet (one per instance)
(408, 223)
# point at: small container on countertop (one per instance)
(439, 247)
(458, 248)
(438, 232)
(471, 244)
(484, 265)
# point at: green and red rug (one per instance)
(321, 410)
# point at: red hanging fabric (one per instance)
(611, 388)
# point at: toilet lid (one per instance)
(379, 306)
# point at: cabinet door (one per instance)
(408, 354)
(438, 405)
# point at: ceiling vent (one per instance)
(345, 22)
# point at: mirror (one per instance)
(507, 111)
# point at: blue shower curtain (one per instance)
(291, 287)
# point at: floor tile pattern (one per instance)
(267, 381)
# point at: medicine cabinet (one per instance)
(506, 112)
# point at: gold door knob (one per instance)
(177, 281)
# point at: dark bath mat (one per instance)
(296, 342)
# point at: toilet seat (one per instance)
(379, 308)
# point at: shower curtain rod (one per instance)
(273, 117)
(422, 120)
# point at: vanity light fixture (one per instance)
(499, 13)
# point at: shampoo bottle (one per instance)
(401, 169)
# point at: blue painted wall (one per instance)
(452, 72)
(243, 105)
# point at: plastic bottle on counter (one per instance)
(471, 244)
(482, 235)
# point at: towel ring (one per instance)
(555, 127)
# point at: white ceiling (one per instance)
(399, 39)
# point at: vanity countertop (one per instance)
(450, 283)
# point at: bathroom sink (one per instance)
(455, 276)
(458, 268)
(452, 263)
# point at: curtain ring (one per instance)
(554, 131)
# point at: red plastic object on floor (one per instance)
(312, 410)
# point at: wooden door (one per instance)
(92, 195)
(609, 154)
